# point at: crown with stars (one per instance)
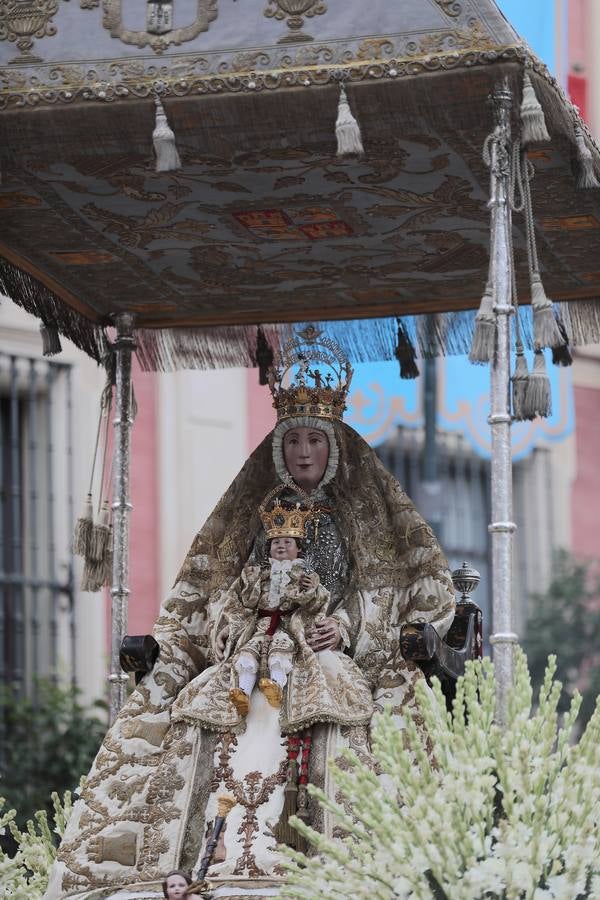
(280, 521)
(312, 377)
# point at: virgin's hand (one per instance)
(325, 635)
(221, 643)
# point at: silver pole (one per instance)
(123, 347)
(501, 527)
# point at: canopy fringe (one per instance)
(364, 340)
(35, 298)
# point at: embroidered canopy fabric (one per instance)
(263, 223)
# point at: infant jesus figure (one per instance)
(267, 612)
(268, 616)
(290, 598)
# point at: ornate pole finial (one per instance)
(465, 581)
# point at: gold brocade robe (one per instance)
(321, 687)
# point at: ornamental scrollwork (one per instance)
(158, 34)
(23, 20)
(295, 10)
(451, 7)
(117, 80)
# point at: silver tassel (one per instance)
(484, 336)
(533, 123)
(82, 535)
(520, 383)
(97, 573)
(347, 131)
(100, 534)
(92, 579)
(538, 398)
(163, 138)
(546, 332)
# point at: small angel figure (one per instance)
(316, 376)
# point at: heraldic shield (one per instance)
(157, 19)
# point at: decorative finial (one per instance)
(465, 581)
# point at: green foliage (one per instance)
(566, 620)
(502, 813)
(48, 745)
(24, 874)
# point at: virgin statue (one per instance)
(150, 799)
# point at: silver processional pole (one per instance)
(121, 506)
(501, 527)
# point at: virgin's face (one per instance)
(306, 454)
(176, 887)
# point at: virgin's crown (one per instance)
(312, 378)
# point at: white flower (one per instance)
(504, 813)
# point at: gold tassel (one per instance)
(533, 123)
(300, 842)
(302, 803)
(283, 831)
(484, 336)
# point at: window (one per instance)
(37, 613)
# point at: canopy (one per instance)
(263, 223)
